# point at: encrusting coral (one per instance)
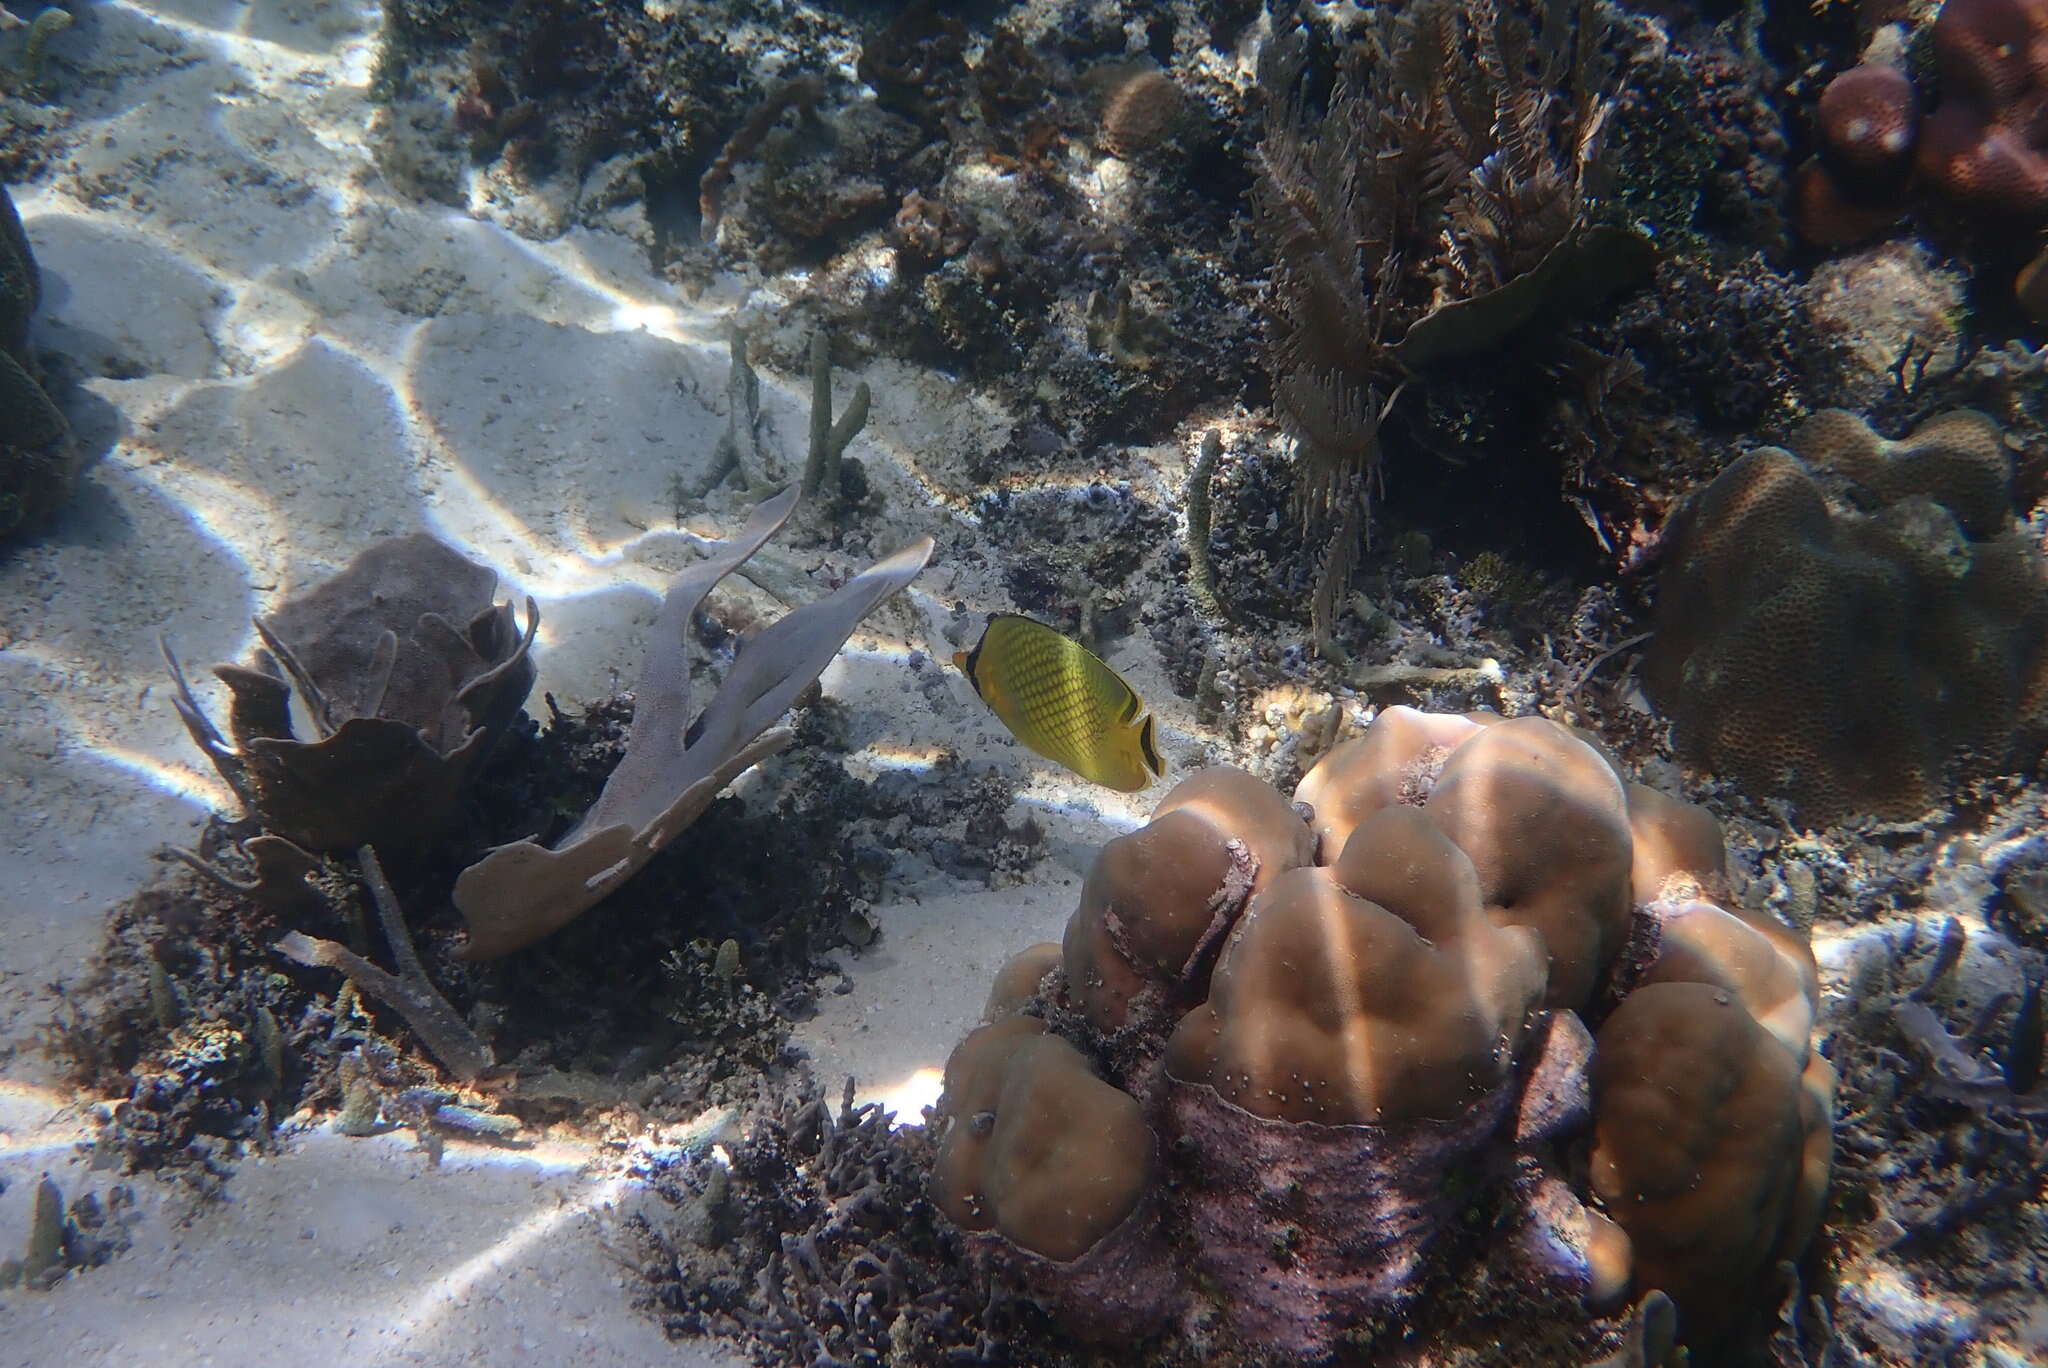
(1325, 1067)
(1855, 653)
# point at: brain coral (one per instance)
(1325, 1068)
(1855, 626)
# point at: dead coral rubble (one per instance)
(1855, 624)
(1943, 1140)
(1308, 1067)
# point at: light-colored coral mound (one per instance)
(1050, 1155)
(1374, 990)
(1858, 625)
(1157, 901)
(1765, 964)
(1678, 848)
(1343, 1019)
(1395, 761)
(1544, 818)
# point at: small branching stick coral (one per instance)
(409, 992)
(520, 892)
(829, 438)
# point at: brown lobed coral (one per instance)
(1323, 1068)
(1856, 623)
(38, 461)
(1983, 149)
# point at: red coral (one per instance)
(1987, 145)
(1869, 121)
(1982, 163)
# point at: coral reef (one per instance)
(1979, 150)
(38, 462)
(1937, 1035)
(1407, 229)
(819, 1245)
(186, 1019)
(1864, 652)
(1335, 1055)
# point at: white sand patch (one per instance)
(292, 360)
(340, 1252)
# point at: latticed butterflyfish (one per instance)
(1060, 699)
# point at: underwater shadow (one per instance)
(621, 402)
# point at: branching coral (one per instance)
(409, 992)
(1340, 1046)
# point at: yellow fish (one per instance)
(1057, 697)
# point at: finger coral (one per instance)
(1858, 645)
(1309, 1067)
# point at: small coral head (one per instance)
(1990, 51)
(1987, 166)
(1869, 120)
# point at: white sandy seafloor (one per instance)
(309, 361)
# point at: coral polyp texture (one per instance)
(1469, 1032)
(1856, 623)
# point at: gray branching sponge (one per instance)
(674, 767)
